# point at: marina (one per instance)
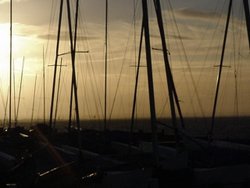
(156, 98)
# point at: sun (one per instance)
(17, 46)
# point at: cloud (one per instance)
(7, 1)
(174, 36)
(65, 37)
(197, 14)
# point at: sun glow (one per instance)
(18, 47)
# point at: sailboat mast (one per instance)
(58, 92)
(150, 79)
(136, 87)
(220, 70)
(73, 53)
(10, 64)
(106, 66)
(44, 90)
(171, 88)
(33, 104)
(14, 90)
(56, 60)
(72, 79)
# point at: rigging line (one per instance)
(120, 74)
(188, 64)
(135, 3)
(19, 94)
(161, 111)
(83, 76)
(236, 107)
(56, 60)
(183, 50)
(91, 85)
(239, 59)
(136, 84)
(225, 4)
(88, 82)
(220, 71)
(135, 39)
(5, 110)
(211, 41)
(52, 16)
(39, 91)
(85, 30)
(93, 82)
(85, 91)
(96, 101)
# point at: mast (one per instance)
(14, 88)
(10, 64)
(55, 68)
(5, 110)
(171, 88)
(106, 66)
(73, 53)
(150, 79)
(70, 105)
(19, 93)
(74, 48)
(210, 134)
(33, 104)
(58, 92)
(136, 88)
(44, 90)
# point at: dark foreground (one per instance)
(44, 157)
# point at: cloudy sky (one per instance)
(194, 30)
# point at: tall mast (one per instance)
(58, 92)
(33, 103)
(136, 87)
(55, 68)
(14, 90)
(72, 79)
(73, 54)
(150, 79)
(10, 64)
(171, 88)
(220, 71)
(44, 90)
(106, 66)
